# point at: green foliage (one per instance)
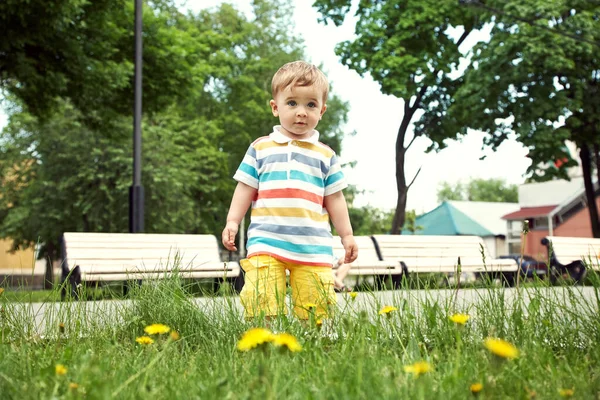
(83, 51)
(66, 157)
(491, 190)
(407, 47)
(411, 223)
(536, 80)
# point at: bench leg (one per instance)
(126, 286)
(70, 284)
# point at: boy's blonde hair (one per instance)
(299, 73)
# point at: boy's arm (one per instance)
(242, 198)
(338, 213)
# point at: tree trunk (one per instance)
(400, 214)
(586, 166)
(49, 274)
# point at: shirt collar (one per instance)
(279, 137)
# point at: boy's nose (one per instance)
(301, 112)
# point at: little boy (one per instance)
(294, 184)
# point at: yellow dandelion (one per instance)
(1, 290)
(459, 319)
(155, 329)
(144, 340)
(60, 369)
(287, 340)
(61, 328)
(566, 392)
(476, 388)
(253, 338)
(73, 386)
(319, 323)
(310, 306)
(353, 295)
(501, 348)
(419, 368)
(387, 310)
(174, 335)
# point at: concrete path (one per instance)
(36, 318)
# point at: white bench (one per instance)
(368, 261)
(573, 255)
(433, 253)
(104, 257)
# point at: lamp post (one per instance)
(136, 191)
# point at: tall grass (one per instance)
(358, 353)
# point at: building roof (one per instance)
(446, 219)
(487, 214)
(529, 212)
(548, 193)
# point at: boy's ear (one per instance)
(274, 108)
(323, 110)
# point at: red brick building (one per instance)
(554, 208)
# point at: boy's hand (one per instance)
(228, 236)
(351, 248)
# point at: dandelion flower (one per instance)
(319, 323)
(353, 295)
(144, 340)
(310, 306)
(566, 392)
(287, 340)
(501, 348)
(253, 338)
(419, 368)
(156, 329)
(387, 310)
(174, 335)
(73, 386)
(1, 290)
(459, 319)
(476, 388)
(60, 369)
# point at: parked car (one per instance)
(530, 267)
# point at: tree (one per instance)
(406, 47)
(83, 51)
(492, 190)
(538, 77)
(411, 223)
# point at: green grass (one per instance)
(357, 354)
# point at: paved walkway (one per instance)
(36, 317)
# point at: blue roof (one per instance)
(448, 220)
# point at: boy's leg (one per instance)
(263, 293)
(312, 287)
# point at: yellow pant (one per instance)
(265, 288)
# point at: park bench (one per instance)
(107, 257)
(572, 256)
(441, 254)
(369, 262)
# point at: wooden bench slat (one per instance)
(114, 256)
(571, 249)
(435, 253)
(367, 262)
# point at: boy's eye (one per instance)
(291, 103)
(312, 105)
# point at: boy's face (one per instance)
(299, 109)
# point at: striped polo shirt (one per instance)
(289, 221)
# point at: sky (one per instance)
(376, 117)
